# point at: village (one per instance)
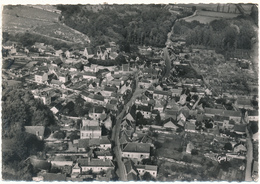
(133, 121)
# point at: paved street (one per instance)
(116, 132)
(249, 157)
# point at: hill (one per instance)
(140, 25)
(20, 19)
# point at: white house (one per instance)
(96, 165)
(136, 150)
(152, 169)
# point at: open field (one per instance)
(24, 18)
(208, 16)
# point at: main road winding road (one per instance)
(116, 131)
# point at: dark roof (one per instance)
(231, 113)
(220, 118)
(103, 153)
(95, 162)
(213, 111)
(253, 113)
(240, 128)
(98, 97)
(137, 147)
(143, 108)
(241, 101)
(129, 166)
(57, 61)
(91, 128)
(132, 177)
(104, 140)
(161, 92)
(112, 89)
(97, 109)
(54, 177)
(83, 143)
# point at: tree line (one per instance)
(224, 35)
(142, 25)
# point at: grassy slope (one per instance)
(25, 18)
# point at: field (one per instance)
(208, 16)
(62, 32)
(26, 18)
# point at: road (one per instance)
(167, 62)
(116, 132)
(249, 157)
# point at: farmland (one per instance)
(28, 19)
(208, 16)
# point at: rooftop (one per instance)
(137, 147)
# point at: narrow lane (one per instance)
(116, 132)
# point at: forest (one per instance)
(140, 25)
(19, 109)
(223, 35)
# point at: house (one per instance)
(107, 123)
(131, 171)
(105, 143)
(124, 88)
(210, 112)
(176, 92)
(54, 177)
(243, 103)
(130, 116)
(83, 144)
(152, 169)
(170, 113)
(251, 115)
(88, 52)
(60, 161)
(240, 129)
(169, 124)
(146, 111)
(89, 132)
(190, 127)
(107, 91)
(93, 98)
(233, 115)
(104, 154)
(43, 96)
(76, 170)
(158, 106)
(57, 62)
(97, 112)
(36, 130)
(240, 148)
(96, 165)
(138, 151)
(189, 147)
(89, 75)
(160, 94)
(56, 108)
(182, 100)
(41, 77)
(144, 83)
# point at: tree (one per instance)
(208, 124)
(225, 165)
(254, 127)
(194, 152)
(59, 135)
(158, 119)
(147, 177)
(228, 146)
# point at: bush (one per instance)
(59, 135)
